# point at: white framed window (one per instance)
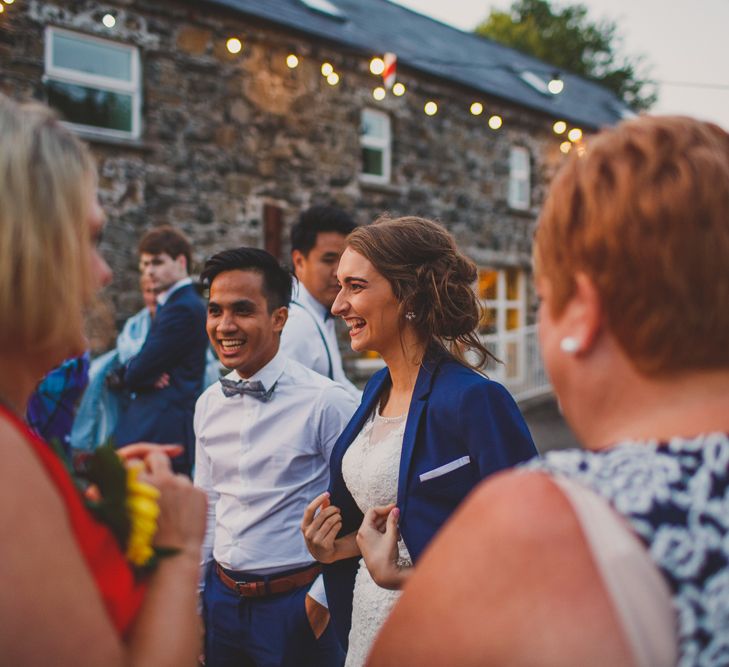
(94, 83)
(502, 293)
(376, 143)
(519, 179)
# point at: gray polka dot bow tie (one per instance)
(253, 388)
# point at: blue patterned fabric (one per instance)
(52, 406)
(675, 495)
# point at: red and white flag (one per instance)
(389, 74)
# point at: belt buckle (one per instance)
(258, 587)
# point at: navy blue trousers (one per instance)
(272, 631)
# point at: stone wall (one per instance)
(225, 134)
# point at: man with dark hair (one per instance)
(264, 435)
(165, 377)
(317, 242)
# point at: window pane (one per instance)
(519, 160)
(90, 106)
(488, 322)
(374, 124)
(512, 284)
(487, 284)
(512, 319)
(372, 162)
(92, 57)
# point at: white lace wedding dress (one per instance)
(371, 469)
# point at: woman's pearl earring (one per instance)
(410, 316)
(569, 345)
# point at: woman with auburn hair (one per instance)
(618, 554)
(78, 601)
(429, 426)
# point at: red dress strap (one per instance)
(114, 578)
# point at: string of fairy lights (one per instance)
(378, 67)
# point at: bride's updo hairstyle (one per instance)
(430, 278)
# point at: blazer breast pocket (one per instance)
(454, 477)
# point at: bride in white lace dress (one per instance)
(370, 468)
(406, 293)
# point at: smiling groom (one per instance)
(264, 435)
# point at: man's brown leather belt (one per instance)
(275, 585)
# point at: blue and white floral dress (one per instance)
(675, 496)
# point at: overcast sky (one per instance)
(685, 41)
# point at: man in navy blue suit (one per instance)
(165, 377)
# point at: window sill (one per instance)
(116, 142)
(523, 212)
(386, 188)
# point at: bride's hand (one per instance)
(320, 529)
(377, 540)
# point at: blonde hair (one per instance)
(45, 278)
(645, 214)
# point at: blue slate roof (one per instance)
(424, 44)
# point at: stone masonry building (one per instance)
(230, 144)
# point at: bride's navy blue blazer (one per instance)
(456, 417)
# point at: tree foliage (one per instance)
(566, 38)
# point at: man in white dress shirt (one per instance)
(264, 434)
(317, 242)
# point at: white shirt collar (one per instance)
(268, 375)
(163, 296)
(303, 296)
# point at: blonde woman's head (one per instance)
(49, 218)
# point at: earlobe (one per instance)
(586, 314)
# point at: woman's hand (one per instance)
(320, 531)
(377, 540)
(140, 450)
(181, 522)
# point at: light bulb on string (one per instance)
(430, 108)
(575, 134)
(559, 127)
(333, 79)
(565, 147)
(555, 85)
(398, 89)
(477, 108)
(234, 45)
(379, 93)
(326, 69)
(292, 61)
(377, 66)
(108, 20)
(495, 122)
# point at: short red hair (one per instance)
(645, 214)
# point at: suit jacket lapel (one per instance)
(369, 399)
(418, 402)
